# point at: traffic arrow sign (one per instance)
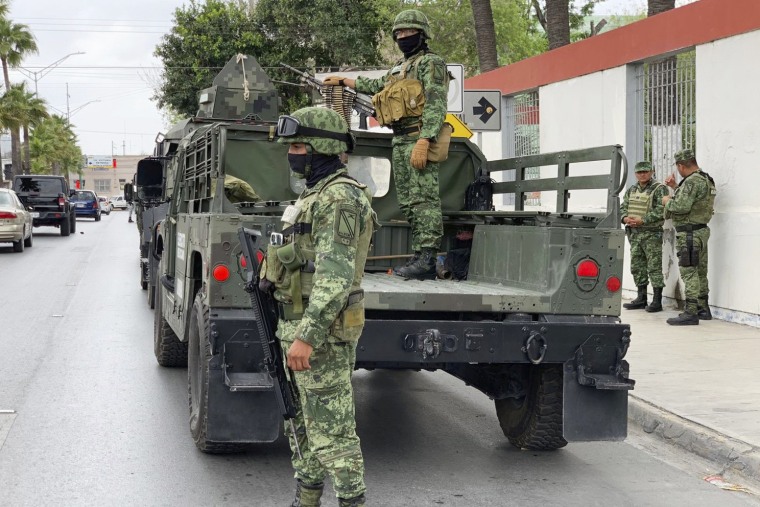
(485, 110)
(481, 109)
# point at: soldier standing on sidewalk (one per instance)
(642, 211)
(691, 208)
(317, 274)
(412, 99)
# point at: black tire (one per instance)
(143, 284)
(97, 217)
(18, 246)
(30, 240)
(66, 226)
(152, 296)
(535, 421)
(169, 351)
(73, 224)
(199, 354)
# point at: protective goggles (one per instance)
(288, 126)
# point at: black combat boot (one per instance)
(308, 495)
(357, 501)
(421, 269)
(703, 309)
(656, 305)
(640, 301)
(688, 317)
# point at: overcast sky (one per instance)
(110, 86)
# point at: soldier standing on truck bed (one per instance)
(317, 270)
(412, 100)
(642, 211)
(691, 208)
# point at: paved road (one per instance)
(98, 422)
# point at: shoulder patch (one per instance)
(346, 224)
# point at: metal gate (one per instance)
(666, 96)
(521, 137)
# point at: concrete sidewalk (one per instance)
(698, 387)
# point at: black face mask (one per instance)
(410, 45)
(300, 164)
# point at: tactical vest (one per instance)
(291, 266)
(403, 95)
(640, 203)
(703, 208)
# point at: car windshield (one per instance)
(84, 196)
(34, 185)
(5, 199)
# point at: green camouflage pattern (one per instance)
(412, 18)
(695, 277)
(418, 190)
(643, 166)
(241, 89)
(237, 190)
(325, 423)
(693, 200)
(646, 257)
(654, 217)
(320, 118)
(418, 197)
(684, 156)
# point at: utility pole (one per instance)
(124, 148)
(36, 75)
(68, 112)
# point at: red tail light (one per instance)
(61, 201)
(7, 214)
(243, 263)
(260, 256)
(220, 273)
(613, 284)
(587, 269)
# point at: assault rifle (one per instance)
(265, 316)
(359, 104)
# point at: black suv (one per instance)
(47, 197)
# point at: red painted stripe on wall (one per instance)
(685, 27)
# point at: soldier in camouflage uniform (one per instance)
(419, 82)
(691, 208)
(317, 275)
(642, 212)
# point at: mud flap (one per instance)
(592, 414)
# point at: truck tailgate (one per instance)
(389, 292)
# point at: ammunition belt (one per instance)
(690, 227)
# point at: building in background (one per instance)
(106, 174)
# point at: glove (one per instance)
(420, 153)
(333, 81)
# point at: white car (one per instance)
(15, 221)
(118, 202)
(105, 204)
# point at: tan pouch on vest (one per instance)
(402, 99)
(273, 270)
(439, 150)
(350, 323)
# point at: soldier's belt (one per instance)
(285, 311)
(690, 227)
(402, 131)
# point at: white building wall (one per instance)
(728, 148)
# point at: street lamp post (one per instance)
(36, 75)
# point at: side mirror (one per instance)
(128, 192)
(72, 193)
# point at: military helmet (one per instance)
(323, 129)
(411, 18)
(643, 167)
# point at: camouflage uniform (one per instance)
(332, 223)
(417, 189)
(691, 208)
(646, 240)
(237, 190)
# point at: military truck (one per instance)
(534, 325)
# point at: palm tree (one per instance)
(485, 32)
(558, 23)
(655, 7)
(16, 42)
(10, 113)
(33, 111)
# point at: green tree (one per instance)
(33, 112)
(16, 42)
(562, 20)
(204, 37)
(54, 148)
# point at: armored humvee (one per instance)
(535, 325)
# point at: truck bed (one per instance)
(389, 292)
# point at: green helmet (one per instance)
(336, 139)
(412, 19)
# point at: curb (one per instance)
(728, 453)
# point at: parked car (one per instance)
(15, 221)
(118, 202)
(47, 197)
(86, 204)
(105, 204)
